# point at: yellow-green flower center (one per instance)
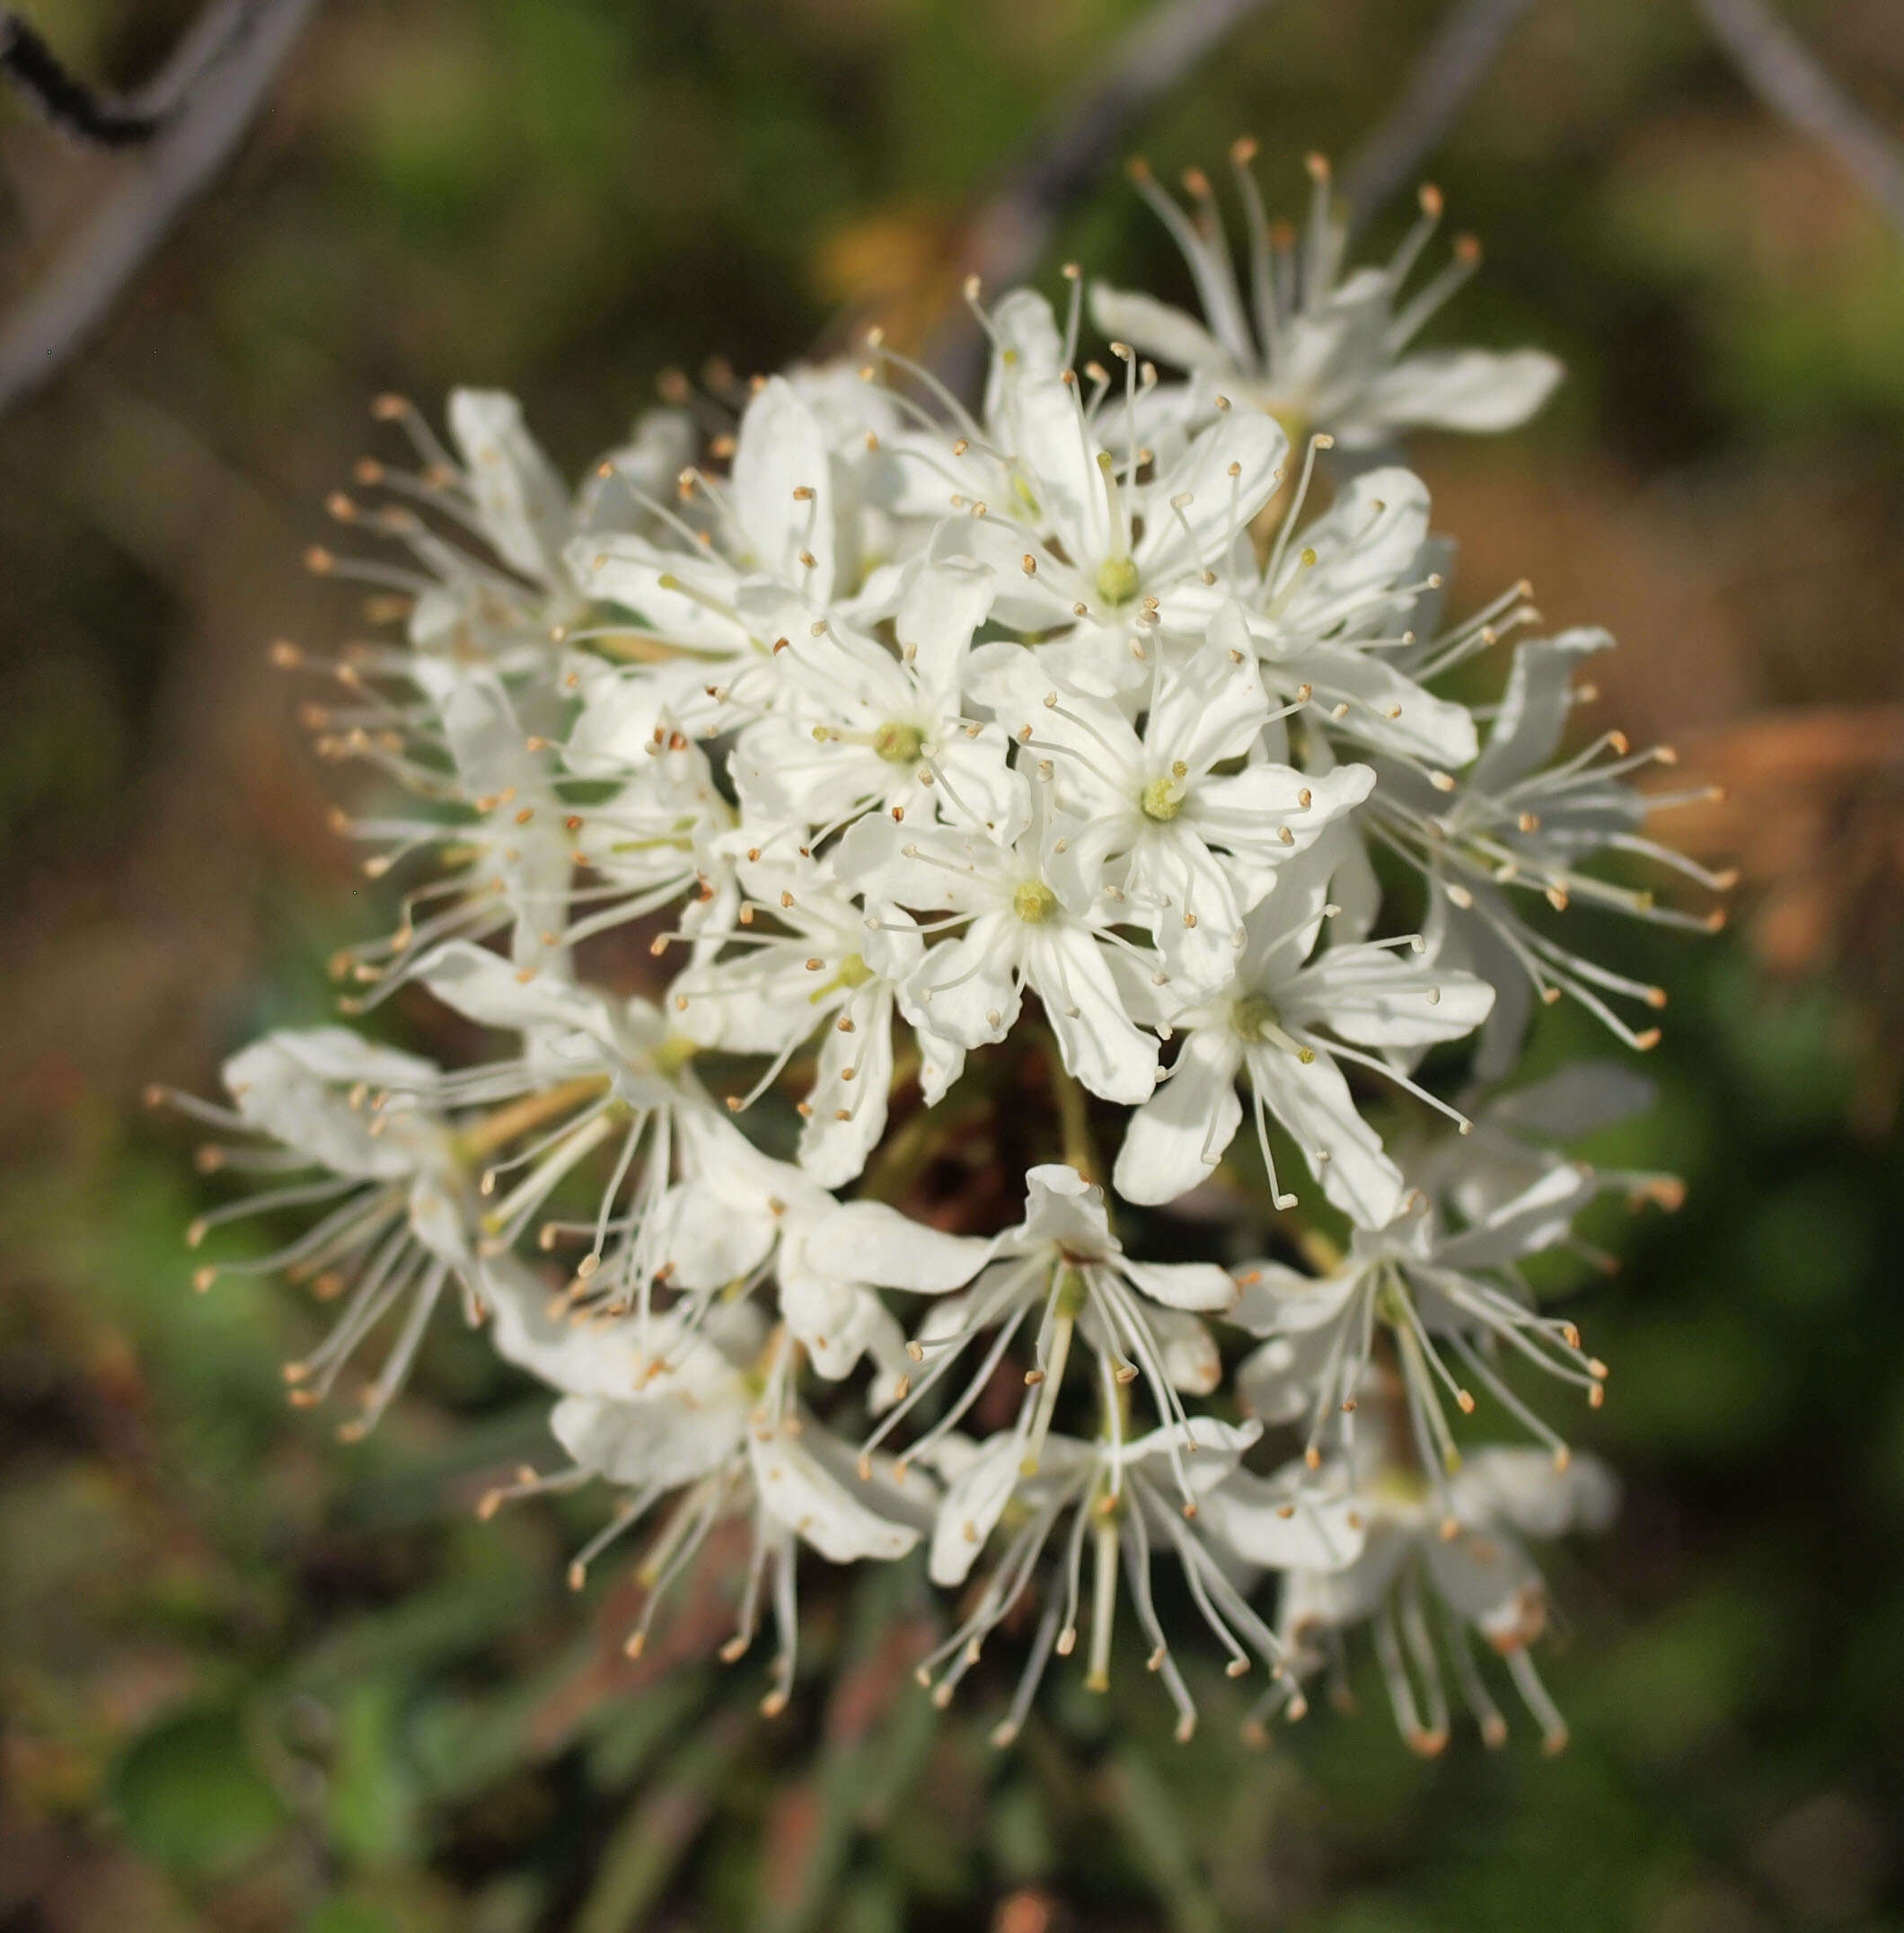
(1033, 901)
(852, 972)
(674, 1053)
(899, 744)
(1163, 798)
(1117, 580)
(1293, 418)
(1255, 1018)
(1407, 1489)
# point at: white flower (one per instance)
(1462, 1551)
(392, 1179)
(713, 1420)
(1113, 1492)
(1450, 1301)
(1330, 609)
(1196, 847)
(501, 490)
(1522, 817)
(1283, 1020)
(852, 729)
(886, 713)
(1317, 347)
(816, 960)
(784, 522)
(1062, 1264)
(1032, 915)
(601, 1075)
(1090, 531)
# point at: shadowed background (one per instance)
(251, 1679)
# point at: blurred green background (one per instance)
(251, 1679)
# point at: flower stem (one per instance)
(1080, 1150)
(507, 1123)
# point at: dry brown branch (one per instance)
(1454, 64)
(79, 111)
(1012, 227)
(1780, 70)
(200, 104)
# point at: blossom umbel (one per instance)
(1041, 775)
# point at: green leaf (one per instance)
(192, 1799)
(350, 1916)
(659, 1831)
(373, 1807)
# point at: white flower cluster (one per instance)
(996, 787)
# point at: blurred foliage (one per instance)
(252, 1680)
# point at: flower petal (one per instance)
(1536, 1218)
(1186, 1350)
(1209, 1449)
(1154, 329)
(655, 1438)
(1229, 473)
(1378, 1000)
(797, 1489)
(1063, 1208)
(1581, 1098)
(1489, 1579)
(850, 1089)
(945, 600)
(1535, 707)
(973, 1503)
(653, 582)
(484, 987)
(1473, 389)
(1277, 1381)
(521, 499)
(1211, 706)
(1182, 1284)
(868, 1242)
(781, 449)
(1284, 1529)
(1101, 1045)
(1345, 1154)
(964, 987)
(1277, 1300)
(1522, 1487)
(296, 1084)
(1175, 1141)
(1383, 708)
